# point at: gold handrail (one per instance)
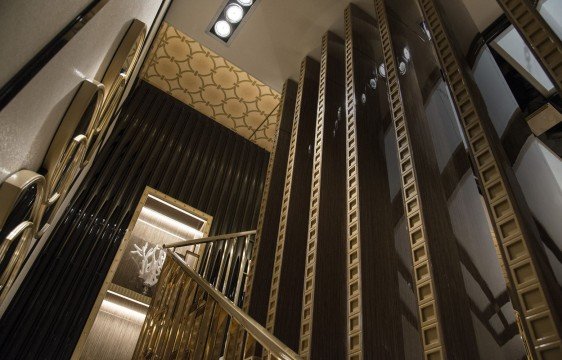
(273, 345)
(209, 239)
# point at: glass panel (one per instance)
(510, 45)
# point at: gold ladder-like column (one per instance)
(431, 329)
(311, 244)
(538, 35)
(278, 260)
(354, 319)
(250, 343)
(537, 316)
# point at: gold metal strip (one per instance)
(538, 35)
(310, 262)
(250, 342)
(524, 275)
(354, 303)
(278, 260)
(431, 332)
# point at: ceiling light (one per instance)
(407, 55)
(246, 2)
(382, 70)
(402, 67)
(222, 28)
(234, 13)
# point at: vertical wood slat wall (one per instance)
(323, 323)
(160, 142)
(518, 239)
(284, 306)
(368, 115)
(444, 307)
(261, 267)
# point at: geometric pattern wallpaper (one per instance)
(193, 74)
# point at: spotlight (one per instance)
(407, 55)
(234, 13)
(382, 70)
(246, 2)
(402, 67)
(222, 29)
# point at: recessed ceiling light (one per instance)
(246, 2)
(382, 70)
(222, 28)
(234, 13)
(402, 67)
(407, 55)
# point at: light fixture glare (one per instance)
(234, 13)
(246, 2)
(382, 70)
(222, 28)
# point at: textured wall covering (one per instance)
(158, 142)
(195, 75)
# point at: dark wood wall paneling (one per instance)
(382, 305)
(289, 304)
(453, 302)
(158, 142)
(270, 227)
(329, 315)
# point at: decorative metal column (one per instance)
(287, 280)
(516, 235)
(310, 264)
(354, 321)
(538, 35)
(261, 265)
(274, 292)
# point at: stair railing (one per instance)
(190, 317)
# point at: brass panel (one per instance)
(514, 244)
(432, 337)
(193, 74)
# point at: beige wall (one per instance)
(29, 121)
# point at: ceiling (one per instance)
(195, 75)
(276, 37)
(279, 33)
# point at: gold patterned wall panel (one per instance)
(195, 75)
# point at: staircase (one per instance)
(195, 313)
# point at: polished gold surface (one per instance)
(428, 309)
(189, 318)
(193, 74)
(22, 235)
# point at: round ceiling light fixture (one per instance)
(234, 13)
(402, 67)
(222, 28)
(382, 70)
(246, 2)
(407, 55)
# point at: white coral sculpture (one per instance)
(152, 260)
